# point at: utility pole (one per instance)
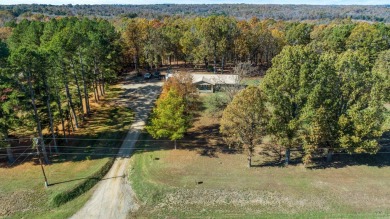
(35, 143)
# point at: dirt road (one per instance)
(113, 196)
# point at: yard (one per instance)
(22, 192)
(203, 178)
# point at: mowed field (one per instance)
(201, 180)
(22, 191)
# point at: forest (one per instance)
(51, 69)
(48, 70)
(240, 11)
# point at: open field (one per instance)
(22, 192)
(204, 179)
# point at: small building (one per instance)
(209, 83)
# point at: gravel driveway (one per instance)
(113, 196)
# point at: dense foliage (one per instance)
(240, 11)
(215, 42)
(48, 70)
(330, 98)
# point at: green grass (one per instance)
(167, 187)
(22, 192)
(253, 81)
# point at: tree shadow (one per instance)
(341, 160)
(83, 178)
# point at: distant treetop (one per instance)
(379, 13)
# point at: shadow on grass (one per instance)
(199, 141)
(83, 178)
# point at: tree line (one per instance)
(241, 11)
(49, 68)
(325, 89)
(48, 71)
(215, 41)
(316, 99)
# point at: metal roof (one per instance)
(215, 79)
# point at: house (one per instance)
(209, 83)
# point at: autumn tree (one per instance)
(286, 85)
(168, 119)
(244, 121)
(134, 38)
(367, 38)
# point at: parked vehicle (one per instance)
(157, 75)
(147, 76)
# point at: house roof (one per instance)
(215, 79)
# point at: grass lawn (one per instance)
(22, 192)
(189, 183)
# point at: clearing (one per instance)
(203, 178)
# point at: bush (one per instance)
(215, 103)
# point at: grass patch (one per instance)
(252, 81)
(215, 103)
(83, 187)
(185, 183)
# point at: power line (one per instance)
(17, 158)
(119, 155)
(137, 140)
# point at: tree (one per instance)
(286, 85)
(321, 112)
(183, 85)
(244, 121)
(299, 34)
(369, 39)
(134, 38)
(168, 119)
(28, 67)
(337, 37)
(382, 69)
(216, 34)
(344, 109)
(8, 110)
(362, 107)
(242, 69)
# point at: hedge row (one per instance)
(83, 187)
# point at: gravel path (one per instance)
(113, 196)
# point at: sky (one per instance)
(143, 2)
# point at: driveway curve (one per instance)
(113, 197)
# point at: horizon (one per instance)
(201, 2)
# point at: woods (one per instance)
(325, 84)
(258, 111)
(51, 69)
(379, 13)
